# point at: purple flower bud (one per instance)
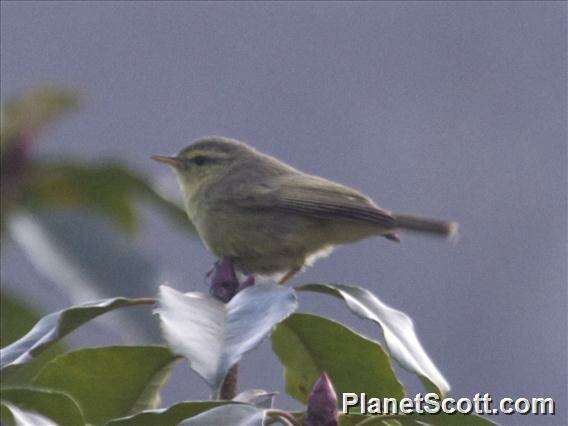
(15, 157)
(13, 169)
(322, 405)
(224, 281)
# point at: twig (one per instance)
(224, 286)
(144, 301)
(230, 384)
(283, 416)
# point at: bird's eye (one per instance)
(199, 160)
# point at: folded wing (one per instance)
(316, 197)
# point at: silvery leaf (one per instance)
(57, 325)
(212, 335)
(26, 418)
(87, 258)
(398, 330)
(258, 397)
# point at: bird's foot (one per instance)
(224, 282)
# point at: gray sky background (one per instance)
(444, 109)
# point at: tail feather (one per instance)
(432, 226)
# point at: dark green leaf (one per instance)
(109, 189)
(454, 420)
(451, 420)
(398, 329)
(232, 414)
(110, 382)
(170, 416)
(414, 420)
(53, 327)
(16, 319)
(351, 419)
(54, 405)
(441, 419)
(213, 335)
(309, 345)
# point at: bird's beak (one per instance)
(170, 161)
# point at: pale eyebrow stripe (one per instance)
(208, 154)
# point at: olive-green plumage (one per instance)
(270, 218)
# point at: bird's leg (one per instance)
(288, 275)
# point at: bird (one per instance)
(271, 219)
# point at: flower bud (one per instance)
(224, 282)
(322, 405)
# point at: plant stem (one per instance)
(224, 286)
(282, 416)
(230, 384)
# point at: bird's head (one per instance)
(204, 160)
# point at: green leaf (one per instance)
(170, 416)
(351, 419)
(308, 345)
(16, 320)
(109, 189)
(54, 405)
(441, 419)
(398, 330)
(232, 414)
(110, 382)
(36, 108)
(53, 327)
(213, 335)
(414, 420)
(457, 419)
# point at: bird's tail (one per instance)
(431, 226)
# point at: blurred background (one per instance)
(449, 110)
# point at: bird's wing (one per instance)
(316, 197)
